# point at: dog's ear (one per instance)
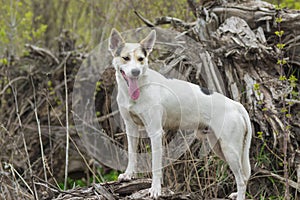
(148, 43)
(115, 41)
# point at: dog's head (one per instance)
(131, 59)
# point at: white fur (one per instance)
(170, 104)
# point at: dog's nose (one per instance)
(135, 72)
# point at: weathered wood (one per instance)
(131, 190)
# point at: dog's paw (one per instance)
(125, 177)
(233, 195)
(155, 191)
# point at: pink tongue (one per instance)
(134, 90)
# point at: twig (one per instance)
(84, 160)
(42, 52)
(174, 21)
(95, 129)
(291, 183)
(39, 131)
(50, 169)
(192, 160)
(11, 82)
(103, 118)
(100, 189)
(146, 21)
(292, 101)
(14, 171)
(23, 136)
(46, 185)
(67, 122)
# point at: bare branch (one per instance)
(146, 21)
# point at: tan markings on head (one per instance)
(139, 56)
(132, 51)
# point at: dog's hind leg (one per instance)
(233, 148)
(230, 154)
(236, 167)
(239, 161)
(233, 139)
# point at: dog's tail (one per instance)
(246, 143)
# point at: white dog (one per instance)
(147, 98)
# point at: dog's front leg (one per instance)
(153, 125)
(156, 147)
(132, 139)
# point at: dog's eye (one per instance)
(140, 59)
(126, 58)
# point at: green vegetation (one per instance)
(38, 22)
(102, 177)
(292, 4)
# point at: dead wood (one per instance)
(290, 182)
(133, 190)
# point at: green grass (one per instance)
(101, 178)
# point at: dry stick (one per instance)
(103, 191)
(42, 52)
(23, 137)
(291, 183)
(146, 21)
(46, 185)
(61, 123)
(14, 171)
(84, 160)
(175, 22)
(292, 100)
(164, 20)
(39, 130)
(67, 121)
(10, 83)
(103, 118)
(50, 138)
(8, 188)
(17, 188)
(193, 161)
(95, 129)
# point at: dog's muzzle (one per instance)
(132, 83)
(135, 72)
